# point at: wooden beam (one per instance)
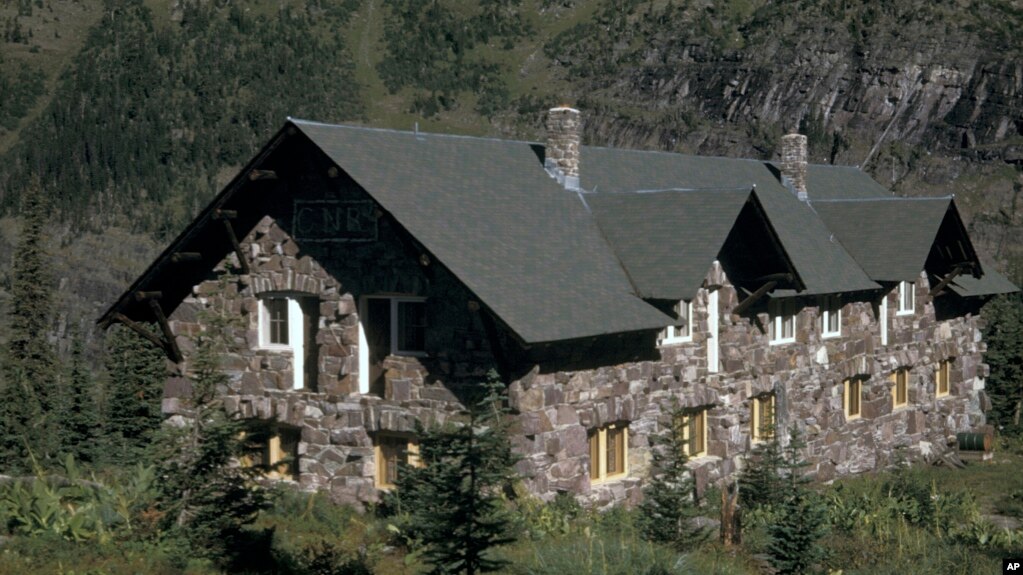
(181, 257)
(168, 335)
(242, 262)
(753, 297)
(957, 270)
(255, 175)
(219, 214)
(144, 295)
(140, 329)
(782, 277)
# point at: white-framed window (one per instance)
(783, 321)
(609, 452)
(683, 331)
(762, 422)
(388, 325)
(286, 323)
(907, 298)
(831, 316)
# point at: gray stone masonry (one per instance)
(564, 134)
(556, 407)
(793, 162)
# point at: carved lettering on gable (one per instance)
(335, 221)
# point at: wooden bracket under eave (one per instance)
(256, 175)
(753, 297)
(226, 216)
(182, 257)
(170, 349)
(956, 270)
(172, 345)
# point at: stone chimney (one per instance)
(793, 163)
(561, 159)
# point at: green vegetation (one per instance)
(134, 388)
(451, 505)
(1004, 337)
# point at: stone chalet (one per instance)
(374, 274)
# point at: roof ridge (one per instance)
(747, 189)
(883, 199)
(413, 133)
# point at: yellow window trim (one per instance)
(701, 423)
(411, 451)
(900, 378)
(943, 378)
(598, 447)
(757, 404)
(847, 386)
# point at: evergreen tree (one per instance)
(28, 419)
(206, 499)
(1004, 336)
(455, 498)
(79, 431)
(669, 497)
(802, 516)
(760, 483)
(136, 374)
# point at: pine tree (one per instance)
(802, 516)
(136, 375)
(455, 497)
(28, 419)
(669, 497)
(760, 483)
(79, 431)
(206, 500)
(1004, 337)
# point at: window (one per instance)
(392, 451)
(943, 378)
(609, 452)
(274, 448)
(288, 322)
(694, 432)
(900, 387)
(907, 298)
(852, 397)
(831, 316)
(682, 332)
(762, 417)
(783, 321)
(388, 325)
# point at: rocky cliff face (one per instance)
(927, 97)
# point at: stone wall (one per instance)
(559, 402)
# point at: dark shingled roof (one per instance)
(823, 264)
(487, 209)
(991, 283)
(889, 237)
(667, 240)
(842, 182)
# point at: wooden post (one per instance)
(172, 344)
(731, 515)
(957, 270)
(226, 216)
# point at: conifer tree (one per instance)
(136, 375)
(29, 395)
(802, 516)
(760, 483)
(80, 422)
(205, 498)
(1004, 337)
(669, 497)
(455, 498)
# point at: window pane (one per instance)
(277, 316)
(683, 313)
(595, 455)
(411, 325)
(615, 451)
